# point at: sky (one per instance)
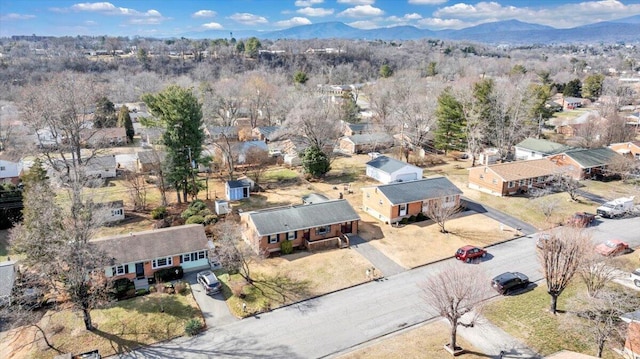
(173, 18)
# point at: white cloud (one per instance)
(315, 11)
(248, 19)
(356, 2)
(90, 23)
(362, 11)
(405, 17)
(14, 16)
(427, 2)
(307, 3)
(365, 25)
(564, 16)
(150, 17)
(436, 23)
(212, 26)
(203, 13)
(294, 21)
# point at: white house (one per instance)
(102, 167)
(10, 168)
(386, 170)
(112, 211)
(534, 148)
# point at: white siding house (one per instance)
(387, 170)
(9, 169)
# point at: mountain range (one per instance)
(625, 30)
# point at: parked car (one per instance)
(612, 247)
(581, 219)
(469, 253)
(635, 277)
(508, 281)
(209, 282)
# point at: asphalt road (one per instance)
(328, 325)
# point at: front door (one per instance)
(402, 209)
(346, 227)
(140, 270)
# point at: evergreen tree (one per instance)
(105, 114)
(592, 88)
(252, 46)
(315, 162)
(300, 78)
(573, 88)
(349, 108)
(386, 71)
(450, 133)
(124, 120)
(180, 113)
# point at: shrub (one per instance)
(181, 287)
(286, 247)
(421, 217)
(141, 291)
(193, 327)
(123, 288)
(159, 212)
(238, 289)
(412, 218)
(405, 220)
(169, 274)
(210, 219)
(188, 213)
(152, 289)
(198, 205)
(195, 219)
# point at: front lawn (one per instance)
(527, 317)
(290, 278)
(121, 327)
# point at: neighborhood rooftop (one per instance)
(292, 218)
(387, 164)
(411, 191)
(155, 243)
(543, 146)
(592, 157)
(517, 170)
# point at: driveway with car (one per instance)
(214, 308)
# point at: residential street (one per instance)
(328, 325)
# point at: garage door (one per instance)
(406, 177)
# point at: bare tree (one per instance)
(440, 210)
(623, 166)
(256, 163)
(566, 183)
(454, 292)
(589, 134)
(547, 205)
(561, 257)
(234, 254)
(596, 273)
(599, 317)
(137, 185)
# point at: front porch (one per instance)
(340, 241)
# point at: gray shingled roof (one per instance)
(239, 183)
(387, 164)
(412, 191)
(371, 138)
(293, 218)
(543, 146)
(592, 157)
(157, 243)
(150, 157)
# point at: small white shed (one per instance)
(222, 207)
(387, 170)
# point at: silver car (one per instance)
(209, 282)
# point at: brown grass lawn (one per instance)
(310, 273)
(612, 190)
(422, 242)
(121, 327)
(423, 341)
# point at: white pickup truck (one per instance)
(616, 208)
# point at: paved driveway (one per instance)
(214, 308)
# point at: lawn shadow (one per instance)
(157, 303)
(117, 343)
(297, 254)
(370, 231)
(478, 354)
(528, 288)
(281, 288)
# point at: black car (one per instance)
(508, 281)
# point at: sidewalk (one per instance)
(490, 340)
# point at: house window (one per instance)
(119, 270)
(380, 202)
(2, 168)
(530, 181)
(291, 235)
(368, 195)
(494, 181)
(323, 230)
(116, 212)
(521, 183)
(510, 184)
(481, 176)
(541, 179)
(161, 262)
(194, 256)
(272, 238)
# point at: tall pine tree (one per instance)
(450, 134)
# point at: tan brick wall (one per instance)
(372, 198)
(487, 179)
(635, 150)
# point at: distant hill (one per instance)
(509, 32)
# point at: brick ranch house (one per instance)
(390, 203)
(312, 226)
(586, 163)
(504, 179)
(139, 255)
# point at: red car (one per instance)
(468, 253)
(612, 247)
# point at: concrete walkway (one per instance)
(380, 261)
(501, 217)
(491, 340)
